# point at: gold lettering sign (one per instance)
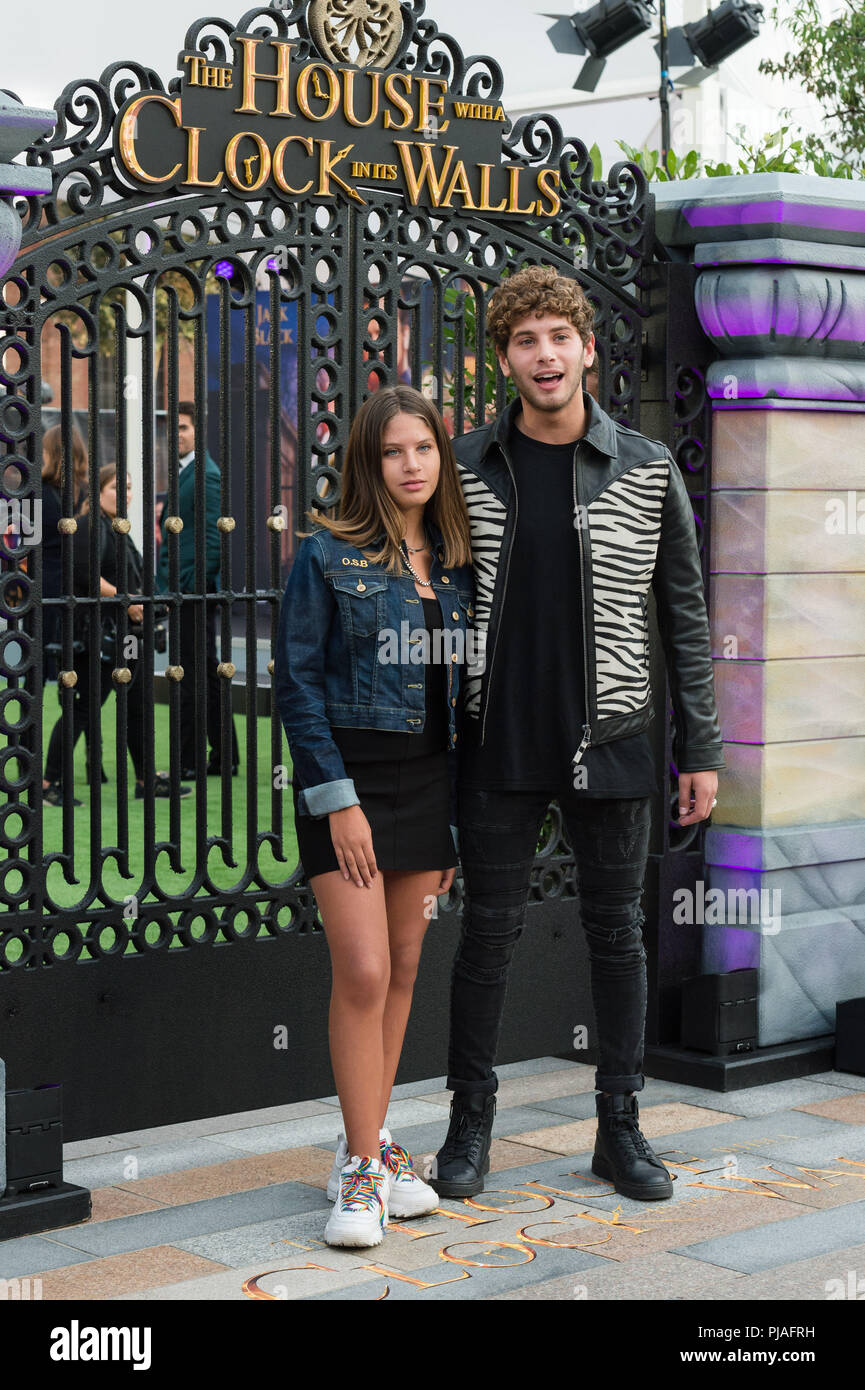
(329, 126)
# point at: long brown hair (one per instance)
(366, 507)
(106, 473)
(53, 471)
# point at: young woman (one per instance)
(371, 648)
(52, 792)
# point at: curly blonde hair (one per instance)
(538, 290)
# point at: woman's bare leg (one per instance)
(406, 897)
(356, 927)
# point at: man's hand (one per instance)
(701, 787)
(352, 841)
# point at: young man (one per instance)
(186, 556)
(573, 517)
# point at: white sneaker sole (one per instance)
(353, 1234)
(421, 1205)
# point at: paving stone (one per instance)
(294, 1235)
(768, 1135)
(34, 1254)
(280, 1157)
(87, 1148)
(504, 1153)
(106, 1203)
(127, 1165)
(650, 1278)
(323, 1130)
(447, 1281)
(850, 1110)
(222, 1124)
(833, 1185)
(815, 1148)
(129, 1273)
(228, 1287)
(552, 1075)
(306, 1165)
(839, 1275)
(815, 1233)
(171, 1225)
(654, 1120)
(758, 1100)
(840, 1078)
(427, 1139)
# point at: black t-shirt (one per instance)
(372, 745)
(536, 705)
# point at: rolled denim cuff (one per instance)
(328, 796)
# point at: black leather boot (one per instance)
(464, 1157)
(623, 1156)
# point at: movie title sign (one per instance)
(270, 122)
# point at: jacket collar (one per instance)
(601, 432)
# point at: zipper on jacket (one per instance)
(489, 672)
(587, 732)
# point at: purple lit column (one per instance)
(781, 295)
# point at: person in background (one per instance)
(186, 555)
(53, 483)
(110, 657)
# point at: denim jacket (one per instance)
(343, 657)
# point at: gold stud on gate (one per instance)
(174, 524)
(122, 675)
(67, 526)
(174, 673)
(226, 523)
(121, 524)
(68, 678)
(226, 669)
(270, 668)
(276, 523)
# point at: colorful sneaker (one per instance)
(340, 1159)
(409, 1195)
(360, 1213)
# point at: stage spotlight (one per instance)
(599, 32)
(723, 31)
(710, 40)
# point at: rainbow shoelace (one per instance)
(361, 1189)
(397, 1160)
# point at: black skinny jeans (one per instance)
(498, 837)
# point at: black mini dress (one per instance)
(402, 781)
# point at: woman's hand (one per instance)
(136, 613)
(447, 879)
(352, 841)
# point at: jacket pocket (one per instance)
(361, 600)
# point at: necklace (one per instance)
(424, 583)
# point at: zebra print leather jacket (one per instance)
(634, 525)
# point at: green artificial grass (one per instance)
(121, 879)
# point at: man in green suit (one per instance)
(186, 556)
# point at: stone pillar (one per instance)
(781, 295)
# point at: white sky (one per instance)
(45, 47)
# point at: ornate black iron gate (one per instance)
(159, 954)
